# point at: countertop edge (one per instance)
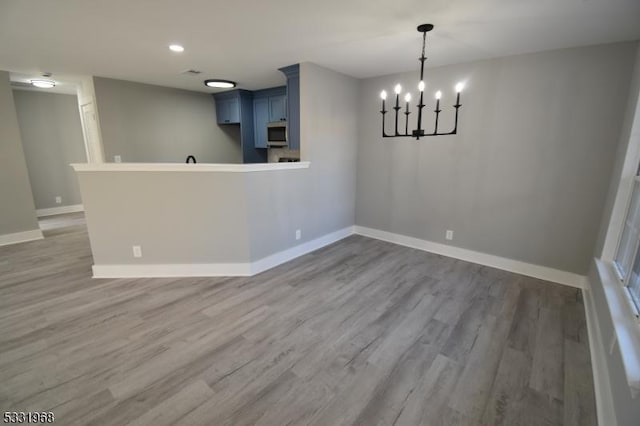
(183, 167)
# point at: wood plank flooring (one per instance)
(361, 332)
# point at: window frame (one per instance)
(625, 277)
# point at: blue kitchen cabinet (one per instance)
(228, 110)
(260, 119)
(292, 73)
(269, 105)
(278, 108)
(235, 107)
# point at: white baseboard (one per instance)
(60, 210)
(523, 268)
(602, 387)
(299, 250)
(255, 267)
(172, 270)
(21, 237)
(218, 269)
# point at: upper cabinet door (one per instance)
(228, 111)
(278, 108)
(234, 110)
(260, 119)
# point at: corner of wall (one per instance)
(18, 213)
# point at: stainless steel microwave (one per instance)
(277, 134)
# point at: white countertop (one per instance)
(183, 167)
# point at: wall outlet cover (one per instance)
(298, 234)
(117, 159)
(449, 235)
(58, 200)
(137, 251)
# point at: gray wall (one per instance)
(319, 200)
(151, 124)
(177, 217)
(627, 409)
(52, 139)
(17, 211)
(221, 217)
(527, 175)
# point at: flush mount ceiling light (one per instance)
(43, 84)
(176, 48)
(219, 84)
(419, 132)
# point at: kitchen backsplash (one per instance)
(276, 153)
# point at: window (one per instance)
(627, 260)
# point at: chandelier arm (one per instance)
(455, 123)
(384, 135)
(406, 123)
(457, 107)
(397, 109)
(437, 111)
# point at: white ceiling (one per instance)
(247, 40)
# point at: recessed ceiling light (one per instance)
(220, 84)
(43, 84)
(176, 48)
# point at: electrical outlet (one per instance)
(58, 200)
(298, 234)
(449, 235)
(137, 251)
(117, 159)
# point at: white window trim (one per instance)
(625, 188)
(624, 280)
(625, 324)
(626, 295)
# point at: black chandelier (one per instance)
(419, 132)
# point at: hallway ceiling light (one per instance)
(176, 48)
(419, 132)
(219, 84)
(43, 84)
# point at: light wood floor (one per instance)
(361, 332)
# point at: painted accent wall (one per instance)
(17, 211)
(151, 124)
(52, 140)
(527, 175)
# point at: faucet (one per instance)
(191, 157)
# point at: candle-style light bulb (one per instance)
(438, 95)
(407, 97)
(421, 86)
(398, 89)
(383, 95)
(459, 87)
